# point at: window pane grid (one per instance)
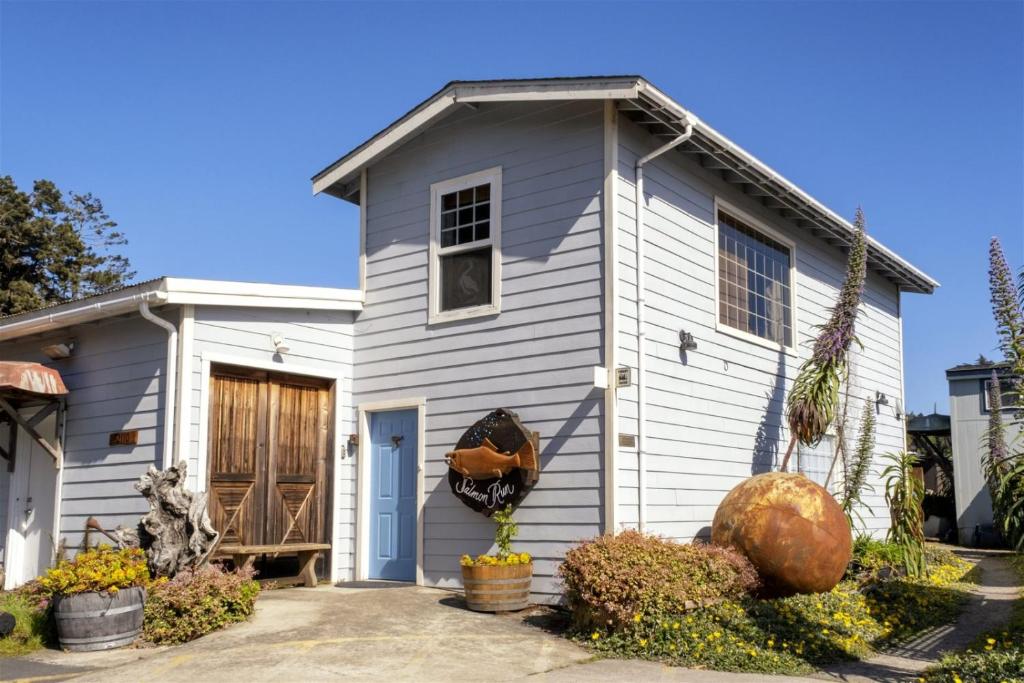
(754, 288)
(466, 216)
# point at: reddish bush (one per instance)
(194, 603)
(611, 579)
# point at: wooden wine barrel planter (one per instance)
(99, 621)
(497, 588)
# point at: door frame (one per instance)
(363, 476)
(210, 359)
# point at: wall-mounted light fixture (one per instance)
(686, 341)
(279, 343)
(59, 351)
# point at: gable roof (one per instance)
(664, 118)
(175, 290)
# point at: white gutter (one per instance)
(170, 380)
(77, 313)
(641, 323)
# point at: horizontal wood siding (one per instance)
(316, 339)
(969, 426)
(715, 416)
(116, 379)
(535, 358)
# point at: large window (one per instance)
(465, 245)
(755, 290)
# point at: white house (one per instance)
(520, 243)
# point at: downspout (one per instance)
(641, 324)
(170, 379)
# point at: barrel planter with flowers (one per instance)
(501, 582)
(98, 598)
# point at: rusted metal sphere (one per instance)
(792, 529)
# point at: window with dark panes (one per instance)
(754, 288)
(463, 280)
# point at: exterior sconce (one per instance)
(279, 343)
(686, 341)
(58, 351)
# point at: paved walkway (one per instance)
(406, 633)
(989, 607)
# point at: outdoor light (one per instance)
(280, 345)
(686, 341)
(58, 351)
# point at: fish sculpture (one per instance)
(486, 461)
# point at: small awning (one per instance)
(18, 379)
(22, 386)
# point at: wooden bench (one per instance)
(307, 553)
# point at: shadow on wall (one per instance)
(471, 532)
(769, 431)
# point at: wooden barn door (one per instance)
(269, 439)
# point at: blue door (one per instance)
(393, 495)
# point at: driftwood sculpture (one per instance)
(176, 533)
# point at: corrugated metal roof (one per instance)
(56, 304)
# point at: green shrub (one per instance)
(611, 579)
(32, 623)
(792, 635)
(195, 603)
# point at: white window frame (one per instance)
(986, 404)
(437, 190)
(772, 233)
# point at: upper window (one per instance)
(1007, 391)
(465, 246)
(754, 281)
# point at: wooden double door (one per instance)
(270, 436)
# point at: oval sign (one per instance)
(495, 463)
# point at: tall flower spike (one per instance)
(1008, 310)
(814, 398)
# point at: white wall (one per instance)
(716, 416)
(319, 341)
(535, 357)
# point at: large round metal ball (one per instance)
(792, 529)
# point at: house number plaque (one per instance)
(495, 463)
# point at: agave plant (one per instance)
(855, 481)
(814, 398)
(904, 494)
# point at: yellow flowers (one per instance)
(595, 635)
(495, 560)
(636, 618)
(97, 570)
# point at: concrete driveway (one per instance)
(393, 633)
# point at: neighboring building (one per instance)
(500, 266)
(969, 418)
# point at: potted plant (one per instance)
(501, 582)
(98, 598)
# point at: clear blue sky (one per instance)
(199, 124)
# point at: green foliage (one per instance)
(507, 530)
(196, 602)
(793, 635)
(904, 494)
(856, 480)
(100, 569)
(996, 656)
(610, 579)
(55, 247)
(33, 627)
